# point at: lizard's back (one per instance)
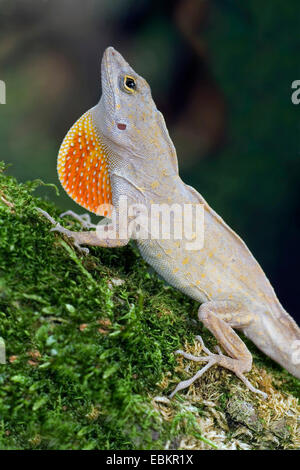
(223, 268)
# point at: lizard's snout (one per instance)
(114, 59)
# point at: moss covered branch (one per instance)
(90, 344)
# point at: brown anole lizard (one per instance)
(122, 148)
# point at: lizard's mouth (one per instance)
(82, 167)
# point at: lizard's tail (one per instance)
(280, 339)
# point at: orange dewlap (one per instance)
(82, 167)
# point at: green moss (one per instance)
(84, 354)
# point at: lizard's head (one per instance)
(126, 112)
(124, 126)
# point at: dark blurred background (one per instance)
(221, 73)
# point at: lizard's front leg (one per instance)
(91, 238)
(239, 359)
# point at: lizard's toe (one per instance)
(81, 248)
(46, 215)
(220, 359)
(68, 233)
(59, 228)
(84, 219)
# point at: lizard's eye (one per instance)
(129, 84)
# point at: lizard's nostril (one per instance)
(122, 127)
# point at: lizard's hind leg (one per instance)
(239, 359)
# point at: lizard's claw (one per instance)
(84, 219)
(45, 214)
(68, 233)
(211, 360)
(59, 228)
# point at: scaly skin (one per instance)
(223, 276)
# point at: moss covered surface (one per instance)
(90, 344)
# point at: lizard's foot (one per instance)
(212, 359)
(84, 219)
(59, 228)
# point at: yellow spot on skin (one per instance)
(175, 270)
(155, 184)
(202, 275)
(186, 260)
(118, 106)
(168, 252)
